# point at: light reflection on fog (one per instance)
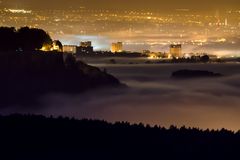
(155, 98)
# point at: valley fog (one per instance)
(153, 97)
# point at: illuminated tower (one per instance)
(176, 50)
(117, 47)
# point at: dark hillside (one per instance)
(38, 137)
(26, 75)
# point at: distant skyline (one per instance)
(201, 5)
(202, 26)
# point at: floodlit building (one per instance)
(117, 47)
(85, 48)
(176, 50)
(70, 49)
(57, 46)
(86, 44)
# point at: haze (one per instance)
(124, 4)
(154, 98)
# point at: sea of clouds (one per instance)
(153, 97)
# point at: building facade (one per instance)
(70, 49)
(117, 47)
(176, 50)
(57, 46)
(85, 48)
(86, 44)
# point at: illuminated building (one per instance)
(191, 28)
(85, 48)
(176, 50)
(46, 47)
(70, 49)
(86, 44)
(117, 47)
(153, 56)
(57, 46)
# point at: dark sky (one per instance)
(125, 4)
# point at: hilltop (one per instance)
(27, 75)
(38, 137)
(32, 64)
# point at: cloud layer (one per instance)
(154, 98)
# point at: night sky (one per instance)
(125, 4)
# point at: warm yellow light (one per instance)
(221, 40)
(18, 11)
(55, 47)
(44, 48)
(169, 56)
(151, 57)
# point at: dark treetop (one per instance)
(38, 137)
(23, 39)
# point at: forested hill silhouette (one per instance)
(27, 72)
(38, 137)
(23, 39)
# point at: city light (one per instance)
(197, 32)
(23, 11)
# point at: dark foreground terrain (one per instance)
(41, 138)
(27, 75)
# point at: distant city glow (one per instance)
(214, 32)
(23, 11)
(98, 42)
(221, 40)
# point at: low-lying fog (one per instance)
(154, 98)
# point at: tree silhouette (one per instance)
(8, 39)
(67, 138)
(30, 39)
(205, 58)
(24, 39)
(58, 45)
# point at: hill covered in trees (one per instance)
(27, 72)
(38, 137)
(23, 39)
